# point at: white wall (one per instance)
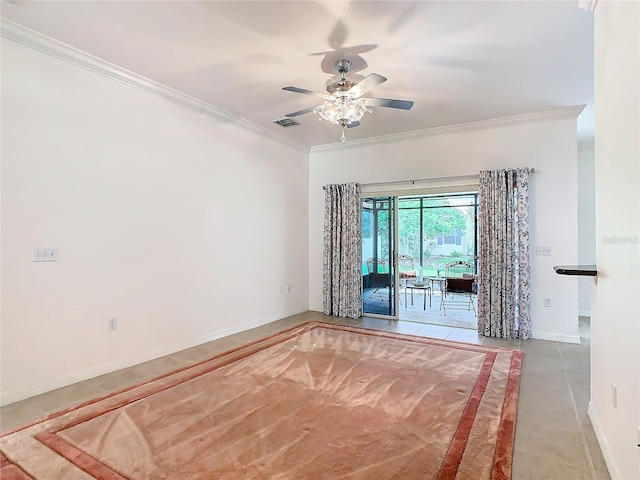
(615, 325)
(181, 226)
(548, 145)
(586, 222)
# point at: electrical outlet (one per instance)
(544, 251)
(547, 302)
(113, 324)
(614, 396)
(281, 289)
(45, 254)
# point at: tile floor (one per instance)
(554, 437)
(457, 315)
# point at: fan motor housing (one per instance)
(340, 86)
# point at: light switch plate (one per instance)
(45, 254)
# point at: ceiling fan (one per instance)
(344, 105)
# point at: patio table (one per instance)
(424, 288)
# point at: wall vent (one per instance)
(286, 122)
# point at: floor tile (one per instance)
(539, 467)
(410, 328)
(554, 436)
(164, 364)
(67, 396)
(546, 440)
(121, 378)
(349, 322)
(467, 336)
(541, 347)
(20, 412)
(597, 459)
(287, 323)
(232, 341)
(199, 352)
(435, 331)
(501, 342)
(537, 409)
(581, 396)
(376, 323)
(538, 367)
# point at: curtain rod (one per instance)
(432, 179)
(420, 180)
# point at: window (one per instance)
(455, 238)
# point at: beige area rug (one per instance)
(317, 401)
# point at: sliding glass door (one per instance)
(378, 256)
(426, 231)
(437, 229)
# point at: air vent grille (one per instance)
(286, 122)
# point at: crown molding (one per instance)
(36, 41)
(542, 116)
(587, 5)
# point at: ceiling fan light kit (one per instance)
(343, 106)
(344, 111)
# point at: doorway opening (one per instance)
(379, 292)
(437, 242)
(415, 249)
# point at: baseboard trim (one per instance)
(10, 397)
(554, 337)
(614, 472)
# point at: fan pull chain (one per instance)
(343, 138)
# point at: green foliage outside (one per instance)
(437, 267)
(436, 222)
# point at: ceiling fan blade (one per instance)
(300, 112)
(367, 83)
(309, 92)
(353, 124)
(389, 103)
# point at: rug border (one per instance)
(501, 467)
(7, 467)
(507, 431)
(311, 324)
(133, 386)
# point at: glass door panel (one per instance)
(450, 231)
(378, 266)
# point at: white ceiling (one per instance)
(459, 61)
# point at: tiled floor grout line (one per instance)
(583, 437)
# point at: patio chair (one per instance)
(458, 287)
(377, 278)
(406, 270)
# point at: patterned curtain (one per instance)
(342, 271)
(504, 308)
